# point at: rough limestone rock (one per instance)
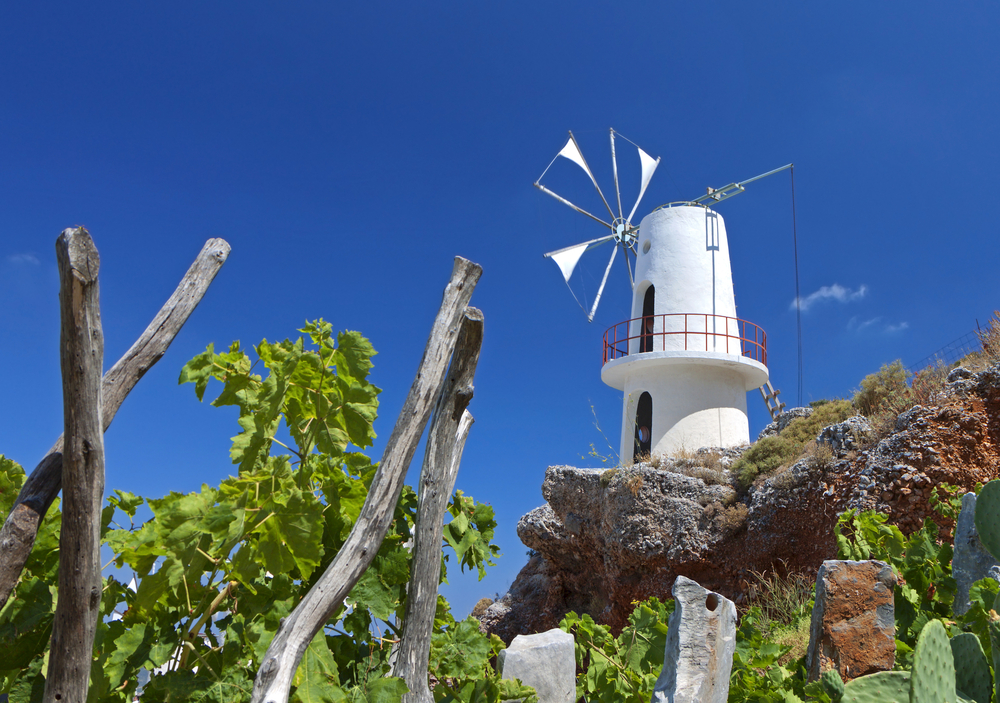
(783, 420)
(701, 642)
(606, 538)
(853, 627)
(849, 435)
(971, 561)
(544, 661)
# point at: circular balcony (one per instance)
(685, 338)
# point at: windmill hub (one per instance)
(624, 232)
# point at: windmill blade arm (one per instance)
(628, 267)
(566, 202)
(614, 166)
(600, 291)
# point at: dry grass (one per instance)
(706, 465)
(786, 605)
(734, 518)
(634, 483)
(989, 355)
(728, 519)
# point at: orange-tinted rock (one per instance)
(853, 627)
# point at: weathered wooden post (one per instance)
(81, 355)
(321, 602)
(445, 443)
(17, 536)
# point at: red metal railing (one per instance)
(685, 331)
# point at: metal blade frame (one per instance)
(566, 202)
(600, 291)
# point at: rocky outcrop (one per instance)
(607, 538)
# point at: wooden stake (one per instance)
(445, 443)
(322, 601)
(81, 354)
(19, 530)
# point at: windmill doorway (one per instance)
(646, 334)
(643, 426)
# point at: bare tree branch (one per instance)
(18, 533)
(327, 595)
(81, 354)
(445, 443)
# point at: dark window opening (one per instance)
(643, 426)
(646, 338)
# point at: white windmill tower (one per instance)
(684, 360)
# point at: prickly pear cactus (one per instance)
(988, 517)
(972, 670)
(832, 684)
(881, 687)
(932, 679)
(995, 640)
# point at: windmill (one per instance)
(623, 234)
(684, 360)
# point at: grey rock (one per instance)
(957, 373)
(971, 561)
(783, 420)
(847, 435)
(546, 662)
(701, 641)
(908, 416)
(627, 512)
(853, 627)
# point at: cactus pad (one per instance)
(882, 687)
(972, 671)
(832, 684)
(933, 676)
(988, 517)
(994, 628)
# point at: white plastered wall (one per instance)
(694, 406)
(684, 254)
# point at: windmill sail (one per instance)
(567, 259)
(623, 233)
(572, 152)
(649, 165)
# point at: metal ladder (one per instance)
(770, 396)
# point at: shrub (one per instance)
(881, 388)
(886, 393)
(802, 430)
(819, 456)
(763, 458)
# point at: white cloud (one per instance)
(876, 324)
(21, 259)
(835, 292)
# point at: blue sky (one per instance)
(348, 151)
